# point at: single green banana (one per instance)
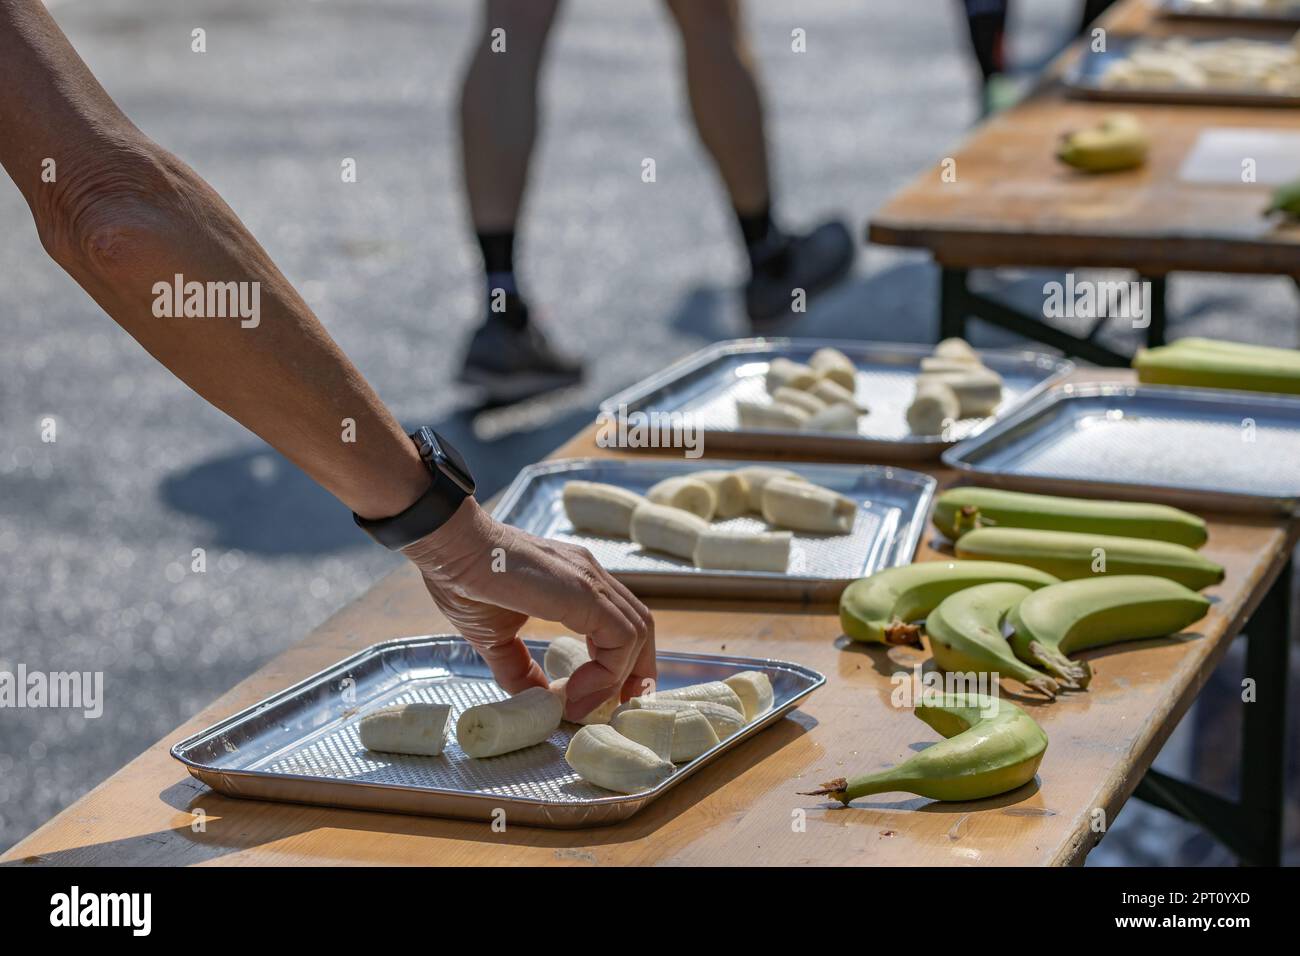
(1117, 142)
(1204, 367)
(882, 608)
(966, 508)
(992, 747)
(1073, 554)
(1286, 199)
(1091, 612)
(965, 633)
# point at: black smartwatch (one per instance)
(452, 484)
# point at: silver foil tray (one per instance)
(301, 745)
(702, 389)
(892, 507)
(1228, 16)
(1200, 448)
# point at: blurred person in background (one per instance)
(509, 356)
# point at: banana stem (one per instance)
(900, 632)
(845, 790)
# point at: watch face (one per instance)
(438, 451)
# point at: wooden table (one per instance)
(743, 809)
(1012, 203)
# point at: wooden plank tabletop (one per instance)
(743, 809)
(1013, 203)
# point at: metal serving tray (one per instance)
(301, 745)
(1199, 448)
(703, 388)
(892, 507)
(1083, 79)
(1200, 10)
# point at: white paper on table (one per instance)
(1218, 155)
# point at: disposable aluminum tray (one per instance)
(1197, 448)
(301, 745)
(1228, 16)
(702, 389)
(892, 507)
(1083, 79)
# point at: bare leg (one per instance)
(724, 97)
(498, 110)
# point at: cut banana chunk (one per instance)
(600, 509)
(528, 718)
(933, 408)
(743, 550)
(724, 720)
(776, 415)
(978, 390)
(833, 393)
(714, 691)
(931, 364)
(652, 729)
(729, 489)
(802, 506)
(833, 364)
(805, 401)
(564, 656)
(688, 493)
(601, 755)
(834, 418)
(754, 689)
(670, 530)
(418, 729)
(958, 350)
(692, 732)
(598, 715)
(782, 371)
(756, 479)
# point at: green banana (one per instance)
(963, 509)
(1286, 199)
(1072, 554)
(1251, 369)
(882, 607)
(965, 633)
(992, 747)
(1117, 142)
(1076, 615)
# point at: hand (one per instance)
(489, 578)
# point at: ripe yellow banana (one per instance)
(834, 365)
(652, 729)
(933, 407)
(966, 508)
(528, 718)
(754, 688)
(992, 747)
(416, 728)
(965, 633)
(1075, 554)
(743, 550)
(1118, 142)
(802, 506)
(601, 755)
(599, 508)
(1090, 612)
(882, 608)
(670, 530)
(756, 478)
(729, 489)
(685, 492)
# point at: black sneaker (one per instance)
(511, 360)
(813, 262)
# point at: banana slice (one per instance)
(714, 691)
(652, 729)
(934, 406)
(600, 509)
(782, 371)
(598, 715)
(417, 728)
(754, 690)
(692, 732)
(832, 393)
(601, 755)
(688, 493)
(776, 415)
(488, 730)
(724, 720)
(932, 364)
(804, 401)
(802, 506)
(670, 530)
(978, 390)
(835, 365)
(729, 489)
(756, 479)
(958, 350)
(743, 550)
(564, 656)
(834, 418)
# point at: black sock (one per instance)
(504, 301)
(988, 21)
(765, 243)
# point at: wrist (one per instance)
(468, 531)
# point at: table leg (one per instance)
(953, 303)
(1156, 326)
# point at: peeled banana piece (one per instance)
(784, 372)
(1075, 554)
(599, 508)
(597, 715)
(729, 491)
(691, 732)
(992, 747)
(833, 364)
(1073, 616)
(714, 691)
(933, 408)
(528, 718)
(743, 550)
(832, 393)
(802, 506)
(564, 655)
(1118, 142)
(834, 418)
(652, 729)
(776, 415)
(806, 401)
(685, 492)
(754, 688)
(724, 720)
(756, 478)
(965, 633)
(601, 755)
(978, 389)
(670, 530)
(417, 728)
(957, 350)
